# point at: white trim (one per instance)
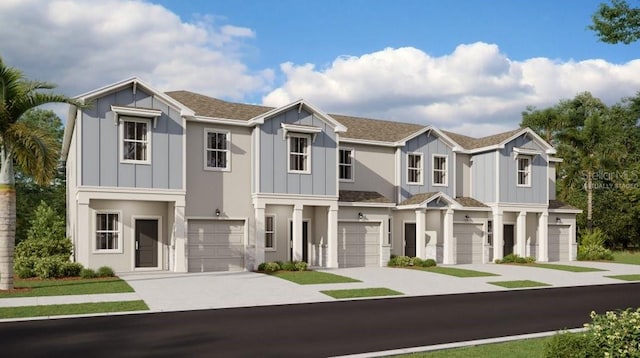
(306, 155)
(133, 241)
(206, 150)
(297, 128)
(421, 169)
(527, 171)
(218, 121)
(565, 211)
(455, 175)
(135, 112)
(397, 158)
(274, 246)
(452, 204)
(352, 164)
(120, 231)
(147, 121)
(337, 126)
(526, 151)
(366, 205)
(497, 188)
(446, 170)
(555, 159)
(370, 142)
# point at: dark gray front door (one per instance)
(508, 240)
(146, 243)
(305, 241)
(410, 239)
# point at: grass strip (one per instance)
(454, 271)
(526, 348)
(632, 277)
(362, 292)
(519, 284)
(569, 268)
(72, 309)
(627, 257)
(37, 288)
(312, 277)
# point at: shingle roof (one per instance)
(419, 198)
(469, 202)
(375, 129)
(557, 204)
(474, 143)
(353, 196)
(212, 107)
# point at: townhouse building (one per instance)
(184, 182)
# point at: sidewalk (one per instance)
(69, 299)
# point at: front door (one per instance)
(410, 239)
(508, 240)
(305, 241)
(146, 243)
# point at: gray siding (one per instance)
(483, 177)
(274, 175)
(428, 145)
(100, 143)
(373, 169)
(509, 191)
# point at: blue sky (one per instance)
(468, 65)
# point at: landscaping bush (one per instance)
(262, 266)
(288, 266)
(271, 267)
(300, 266)
(592, 246)
(515, 259)
(415, 261)
(71, 269)
(571, 345)
(88, 273)
(274, 266)
(616, 333)
(105, 271)
(404, 261)
(399, 261)
(428, 263)
(24, 266)
(49, 267)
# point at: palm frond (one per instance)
(34, 150)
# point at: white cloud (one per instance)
(476, 89)
(83, 45)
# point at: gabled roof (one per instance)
(353, 196)
(470, 143)
(421, 200)
(206, 106)
(469, 202)
(557, 204)
(375, 129)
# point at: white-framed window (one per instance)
(490, 232)
(217, 155)
(345, 164)
(299, 153)
(135, 134)
(270, 232)
(108, 232)
(389, 232)
(524, 171)
(414, 168)
(439, 170)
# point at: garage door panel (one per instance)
(469, 243)
(216, 245)
(559, 237)
(358, 244)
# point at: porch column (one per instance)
(543, 237)
(259, 234)
(332, 237)
(498, 234)
(84, 239)
(420, 229)
(180, 240)
(449, 258)
(521, 234)
(296, 244)
(573, 243)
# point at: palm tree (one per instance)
(30, 147)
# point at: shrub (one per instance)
(105, 271)
(71, 269)
(288, 266)
(399, 261)
(428, 263)
(592, 246)
(49, 267)
(300, 266)
(415, 261)
(616, 333)
(262, 266)
(571, 345)
(24, 266)
(515, 259)
(88, 273)
(271, 267)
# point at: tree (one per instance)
(617, 22)
(31, 147)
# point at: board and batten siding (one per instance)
(100, 145)
(428, 145)
(510, 192)
(373, 169)
(274, 175)
(483, 177)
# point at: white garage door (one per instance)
(358, 245)
(559, 236)
(468, 243)
(215, 245)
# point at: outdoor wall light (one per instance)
(466, 217)
(217, 212)
(360, 216)
(558, 220)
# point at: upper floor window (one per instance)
(136, 137)
(524, 171)
(299, 153)
(216, 151)
(414, 168)
(269, 232)
(345, 164)
(107, 232)
(440, 170)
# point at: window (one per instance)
(389, 231)
(216, 151)
(135, 140)
(490, 232)
(524, 171)
(414, 168)
(269, 232)
(299, 153)
(439, 170)
(345, 164)
(107, 232)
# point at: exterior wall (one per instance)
(72, 185)
(552, 181)
(129, 210)
(428, 145)
(509, 191)
(374, 170)
(399, 219)
(483, 177)
(567, 219)
(274, 175)
(100, 145)
(463, 175)
(282, 213)
(434, 238)
(531, 235)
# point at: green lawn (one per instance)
(362, 292)
(627, 257)
(519, 284)
(633, 277)
(457, 272)
(312, 277)
(67, 287)
(527, 348)
(71, 309)
(570, 268)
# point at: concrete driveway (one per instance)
(164, 291)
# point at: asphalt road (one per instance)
(317, 330)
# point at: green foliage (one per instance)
(399, 261)
(105, 271)
(288, 266)
(46, 224)
(571, 345)
(274, 266)
(271, 267)
(300, 266)
(70, 269)
(88, 273)
(406, 261)
(49, 267)
(617, 22)
(592, 246)
(262, 266)
(515, 259)
(428, 263)
(616, 333)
